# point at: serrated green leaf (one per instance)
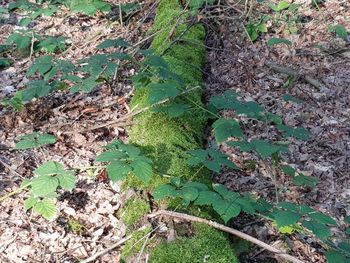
(207, 198)
(210, 158)
(244, 146)
(340, 31)
(286, 218)
(223, 129)
(221, 207)
(142, 170)
(50, 168)
(46, 208)
(232, 211)
(30, 202)
(164, 191)
(188, 194)
(118, 170)
(224, 101)
(304, 180)
(197, 185)
(173, 110)
(221, 189)
(280, 6)
(266, 149)
(34, 140)
(161, 91)
(288, 170)
(333, 256)
(246, 204)
(322, 218)
(36, 89)
(44, 185)
(119, 42)
(176, 181)
(275, 41)
(288, 97)
(66, 181)
(156, 62)
(319, 230)
(299, 133)
(43, 65)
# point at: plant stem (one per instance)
(18, 190)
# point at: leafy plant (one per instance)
(88, 7)
(254, 29)
(339, 30)
(124, 159)
(48, 178)
(275, 41)
(34, 140)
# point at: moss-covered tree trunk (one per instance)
(167, 140)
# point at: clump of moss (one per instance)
(207, 245)
(133, 210)
(75, 226)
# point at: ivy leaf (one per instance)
(66, 181)
(45, 208)
(304, 180)
(163, 191)
(162, 91)
(118, 170)
(223, 129)
(320, 230)
(44, 185)
(142, 169)
(286, 218)
(232, 211)
(173, 110)
(34, 140)
(275, 41)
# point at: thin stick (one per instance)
(103, 252)
(228, 230)
(281, 69)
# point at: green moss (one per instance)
(133, 210)
(208, 245)
(75, 226)
(135, 243)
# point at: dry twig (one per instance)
(227, 230)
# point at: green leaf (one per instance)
(30, 202)
(319, 230)
(223, 129)
(44, 185)
(266, 149)
(50, 168)
(280, 6)
(221, 207)
(333, 256)
(322, 218)
(347, 230)
(45, 208)
(224, 101)
(286, 218)
(288, 97)
(36, 89)
(188, 194)
(66, 181)
(347, 219)
(173, 110)
(340, 31)
(221, 189)
(304, 180)
(288, 170)
(34, 140)
(43, 65)
(207, 198)
(299, 133)
(142, 170)
(232, 211)
(197, 185)
(163, 191)
(210, 158)
(118, 170)
(246, 204)
(161, 91)
(243, 146)
(275, 41)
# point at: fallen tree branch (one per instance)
(227, 230)
(281, 69)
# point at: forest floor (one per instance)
(88, 218)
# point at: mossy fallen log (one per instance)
(166, 141)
